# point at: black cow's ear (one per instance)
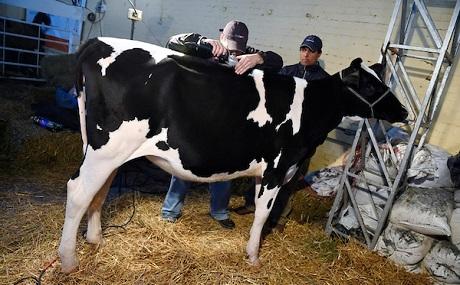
(379, 69)
(356, 62)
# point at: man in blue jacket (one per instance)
(308, 67)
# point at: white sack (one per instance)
(404, 247)
(425, 211)
(455, 227)
(370, 193)
(457, 196)
(428, 168)
(325, 181)
(443, 262)
(348, 218)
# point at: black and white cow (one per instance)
(201, 122)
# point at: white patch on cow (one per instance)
(290, 173)
(82, 116)
(369, 70)
(121, 45)
(170, 162)
(260, 216)
(260, 114)
(295, 110)
(98, 128)
(105, 62)
(277, 160)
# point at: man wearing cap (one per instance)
(232, 41)
(309, 69)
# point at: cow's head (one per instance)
(369, 96)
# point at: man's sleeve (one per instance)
(186, 43)
(272, 61)
(284, 71)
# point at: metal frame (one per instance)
(51, 7)
(36, 65)
(445, 51)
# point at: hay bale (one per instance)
(307, 206)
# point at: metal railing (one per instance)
(23, 45)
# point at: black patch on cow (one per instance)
(76, 174)
(125, 96)
(269, 204)
(210, 104)
(134, 63)
(162, 145)
(278, 106)
(261, 192)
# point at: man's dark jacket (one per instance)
(310, 72)
(192, 44)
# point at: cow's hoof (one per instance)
(255, 262)
(69, 266)
(96, 240)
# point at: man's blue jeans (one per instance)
(174, 200)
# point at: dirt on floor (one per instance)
(139, 248)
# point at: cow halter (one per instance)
(371, 106)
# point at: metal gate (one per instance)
(23, 45)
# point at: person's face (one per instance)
(308, 57)
(224, 43)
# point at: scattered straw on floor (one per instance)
(193, 251)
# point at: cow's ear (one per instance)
(379, 69)
(356, 63)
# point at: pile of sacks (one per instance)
(424, 224)
(423, 233)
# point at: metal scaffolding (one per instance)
(397, 48)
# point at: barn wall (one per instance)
(349, 29)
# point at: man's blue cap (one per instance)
(312, 42)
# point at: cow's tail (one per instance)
(83, 53)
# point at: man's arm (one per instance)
(267, 61)
(192, 44)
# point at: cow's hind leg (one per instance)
(80, 193)
(264, 204)
(94, 231)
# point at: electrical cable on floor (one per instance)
(130, 218)
(39, 278)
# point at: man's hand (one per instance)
(217, 48)
(247, 61)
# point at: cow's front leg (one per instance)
(264, 200)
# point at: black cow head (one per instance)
(368, 96)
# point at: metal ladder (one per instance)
(396, 49)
